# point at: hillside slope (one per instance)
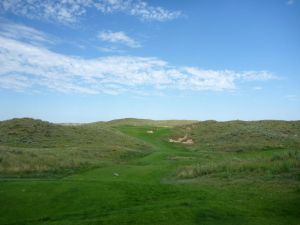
(28, 145)
(28, 132)
(241, 135)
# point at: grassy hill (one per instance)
(269, 147)
(147, 122)
(241, 135)
(35, 146)
(28, 132)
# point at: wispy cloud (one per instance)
(69, 11)
(137, 8)
(61, 11)
(25, 66)
(118, 37)
(24, 33)
(16, 82)
(290, 2)
(292, 97)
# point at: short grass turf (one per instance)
(150, 189)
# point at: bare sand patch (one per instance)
(183, 140)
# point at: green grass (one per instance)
(257, 185)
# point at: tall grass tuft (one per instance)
(278, 163)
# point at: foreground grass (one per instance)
(237, 187)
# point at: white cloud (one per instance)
(137, 8)
(290, 2)
(25, 66)
(23, 33)
(62, 11)
(118, 37)
(69, 11)
(253, 75)
(211, 79)
(17, 82)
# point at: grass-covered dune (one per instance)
(241, 135)
(29, 146)
(28, 132)
(275, 146)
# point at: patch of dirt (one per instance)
(188, 142)
(183, 140)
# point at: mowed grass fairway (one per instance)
(168, 183)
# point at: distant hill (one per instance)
(241, 135)
(148, 122)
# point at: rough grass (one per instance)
(36, 133)
(242, 135)
(284, 163)
(34, 147)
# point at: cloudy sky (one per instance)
(90, 60)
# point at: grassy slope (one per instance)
(35, 147)
(36, 133)
(242, 135)
(148, 190)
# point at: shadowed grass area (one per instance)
(148, 185)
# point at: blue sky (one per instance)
(91, 60)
